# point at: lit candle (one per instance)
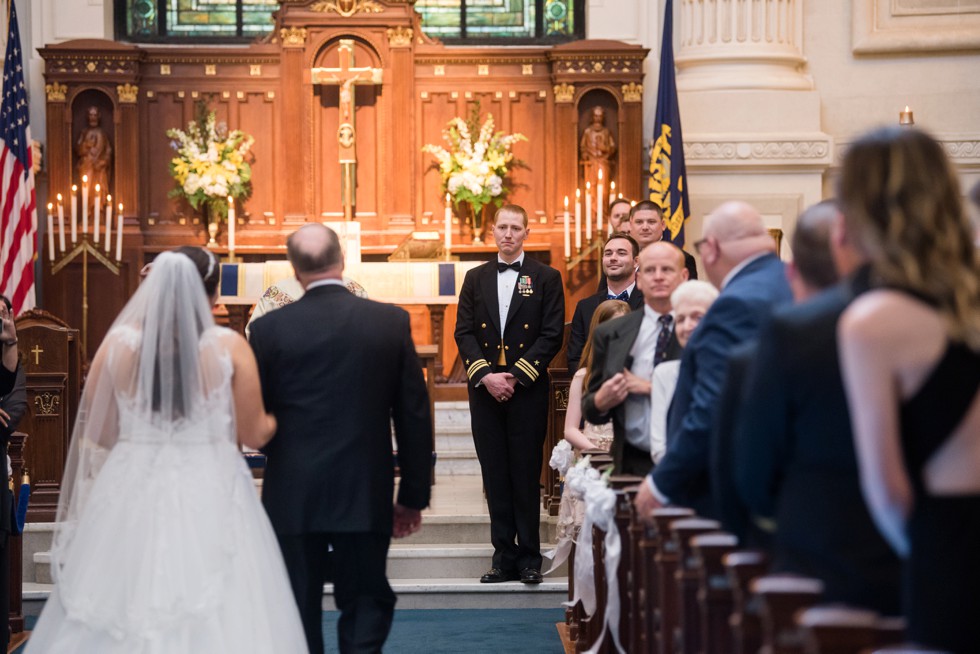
(231, 225)
(50, 232)
(119, 231)
(108, 223)
(588, 212)
(448, 237)
(98, 210)
(84, 204)
(599, 202)
(61, 224)
(578, 220)
(612, 197)
(74, 214)
(568, 233)
(905, 117)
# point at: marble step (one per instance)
(461, 593)
(440, 561)
(468, 529)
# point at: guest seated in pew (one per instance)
(583, 435)
(625, 352)
(739, 257)
(792, 458)
(690, 302)
(910, 356)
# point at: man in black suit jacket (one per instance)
(509, 326)
(624, 353)
(337, 371)
(738, 255)
(794, 458)
(647, 226)
(619, 260)
(13, 404)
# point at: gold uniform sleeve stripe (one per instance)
(479, 363)
(527, 368)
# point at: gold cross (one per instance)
(37, 354)
(346, 76)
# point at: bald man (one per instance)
(338, 372)
(739, 257)
(625, 350)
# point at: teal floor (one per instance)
(451, 631)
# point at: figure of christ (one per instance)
(94, 153)
(597, 147)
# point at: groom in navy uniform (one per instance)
(508, 328)
(338, 371)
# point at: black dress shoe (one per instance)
(531, 576)
(496, 575)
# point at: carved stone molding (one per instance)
(914, 26)
(347, 8)
(55, 92)
(768, 151)
(400, 37)
(127, 93)
(564, 93)
(293, 37)
(962, 149)
(632, 92)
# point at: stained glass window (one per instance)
(503, 21)
(452, 21)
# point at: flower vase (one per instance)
(472, 225)
(214, 221)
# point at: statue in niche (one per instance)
(596, 150)
(93, 153)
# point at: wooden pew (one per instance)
(666, 560)
(746, 619)
(781, 597)
(626, 487)
(559, 379)
(591, 626)
(840, 629)
(715, 592)
(687, 631)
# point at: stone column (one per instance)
(741, 44)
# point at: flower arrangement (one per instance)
(474, 172)
(211, 163)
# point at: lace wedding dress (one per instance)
(161, 543)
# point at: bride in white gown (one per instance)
(161, 544)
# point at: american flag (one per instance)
(18, 220)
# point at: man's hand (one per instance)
(500, 385)
(645, 503)
(406, 521)
(612, 392)
(636, 385)
(8, 331)
(4, 418)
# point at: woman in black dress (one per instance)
(910, 355)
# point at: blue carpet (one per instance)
(449, 631)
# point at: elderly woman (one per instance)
(690, 301)
(910, 356)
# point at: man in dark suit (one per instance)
(509, 326)
(647, 226)
(811, 271)
(624, 353)
(619, 261)
(337, 371)
(13, 405)
(794, 460)
(738, 255)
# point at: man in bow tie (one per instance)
(509, 324)
(624, 352)
(619, 257)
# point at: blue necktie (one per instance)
(624, 296)
(663, 338)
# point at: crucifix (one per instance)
(346, 77)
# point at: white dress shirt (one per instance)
(505, 290)
(637, 407)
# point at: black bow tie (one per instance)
(501, 266)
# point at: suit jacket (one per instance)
(689, 262)
(735, 317)
(336, 371)
(14, 402)
(611, 345)
(582, 318)
(534, 328)
(795, 458)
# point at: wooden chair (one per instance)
(667, 560)
(687, 631)
(781, 597)
(715, 591)
(746, 619)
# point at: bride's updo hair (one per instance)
(207, 266)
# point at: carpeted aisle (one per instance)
(449, 631)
